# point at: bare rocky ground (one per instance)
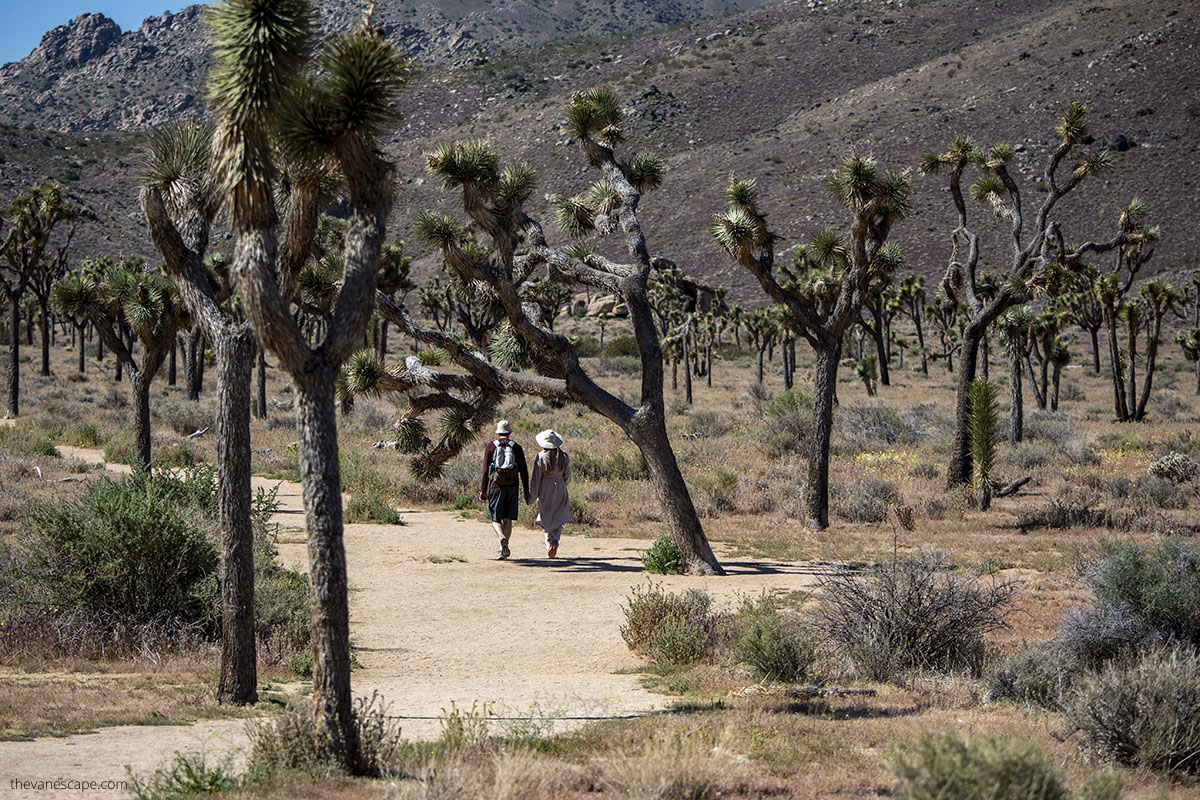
(435, 621)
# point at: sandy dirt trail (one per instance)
(436, 621)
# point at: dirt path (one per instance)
(436, 621)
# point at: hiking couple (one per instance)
(504, 471)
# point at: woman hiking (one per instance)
(551, 474)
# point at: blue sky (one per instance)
(26, 20)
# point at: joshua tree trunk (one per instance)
(14, 357)
(321, 476)
(141, 415)
(960, 468)
(825, 381)
(44, 330)
(239, 674)
(261, 405)
(1095, 349)
(172, 364)
(1118, 368)
(82, 349)
(1016, 401)
(1056, 374)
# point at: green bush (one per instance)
(172, 456)
(663, 557)
(139, 548)
(618, 466)
(371, 506)
(82, 434)
(654, 620)
(25, 442)
(184, 416)
(1144, 714)
(187, 775)
(1036, 676)
(1141, 596)
(789, 401)
(287, 743)
(778, 647)
(585, 346)
(790, 425)
(122, 448)
(945, 766)
(621, 346)
(720, 488)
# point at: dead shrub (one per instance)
(913, 613)
(866, 500)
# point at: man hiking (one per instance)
(503, 466)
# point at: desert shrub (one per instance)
(1144, 713)
(708, 423)
(679, 643)
(924, 470)
(618, 466)
(1036, 676)
(287, 743)
(585, 346)
(864, 425)
(1159, 588)
(671, 769)
(663, 557)
(433, 356)
(866, 500)
(718, 488)
(1106, 485)
(371, 506)
(373, 416)
(911, 614)
(626, 346)
(618, 365)
(1093, 637)
(778, 647)
(944, 765)
(789, 428)
(581, 511)
(1175, 467)
(122, 448)
(186, 775)
(1074, 508)
(82, 434)
(1154, 492)
(1028, 455)
(172, 456)
(655, 621)
(139, 548)
(184, 416)
(16, 441)
(1050, 426)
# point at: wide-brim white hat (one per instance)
(503, 426)
(549, 440)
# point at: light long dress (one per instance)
(550, 491)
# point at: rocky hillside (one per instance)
(779, 92)
(89, 75)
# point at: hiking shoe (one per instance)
(504, 551)
(552, 550)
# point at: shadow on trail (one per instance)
(733, 569)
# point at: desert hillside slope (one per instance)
(779, 92)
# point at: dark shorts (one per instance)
(502, 503)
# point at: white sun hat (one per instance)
(548, 439)
(503, 426)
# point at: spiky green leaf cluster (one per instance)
(853, 182)
(595, 114)
(603, 198)
(361, 75)
(410, 434)
(826, 249)
(1073, 125)
(176, 159)
(517, 182)
(319, 281)
(438, 230)
(1189, 342)
(471, 162)
(1000, 155)
(1093, 164)
(74, 293)
(888, 260)
(646, 171)
(363, 373)
(574, 217)
(455, 424)
(735, 231)
(508, 351)
(742, 193)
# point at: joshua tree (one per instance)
(912, 304)
(29, 261)
(150, 305)
(1014, 324)
(1036, 253)
(494, 198)
(1080, 306)
(825, 298)
(325, 118)
(1142, 314)
(180, 200)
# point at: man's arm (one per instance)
(524, 470)
(487, 462)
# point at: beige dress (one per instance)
(550, 491)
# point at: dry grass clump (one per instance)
(667, 770)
